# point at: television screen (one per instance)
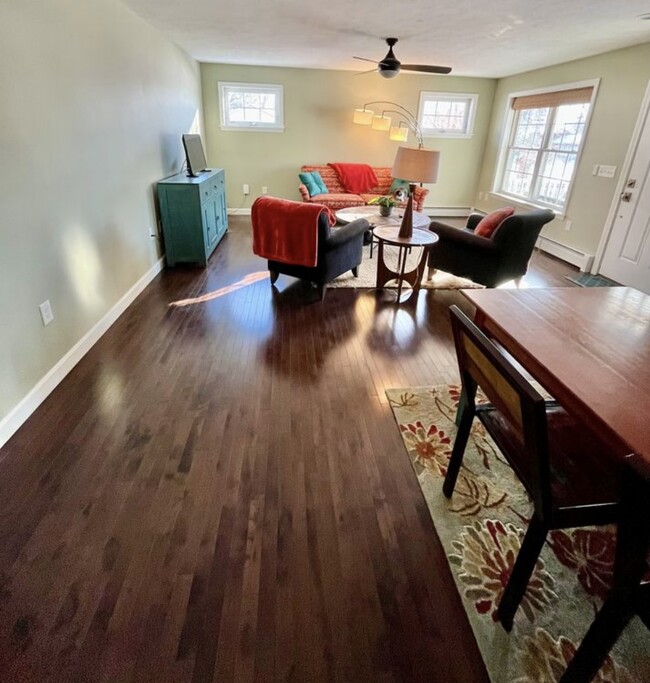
(194, 154)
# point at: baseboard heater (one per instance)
(571, 255)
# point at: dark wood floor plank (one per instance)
(218, 492)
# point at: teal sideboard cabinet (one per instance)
(193, 214)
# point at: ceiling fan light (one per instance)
(363, 116)
(388, 73)
(380, 122)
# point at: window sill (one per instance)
(251, 129)
(559, 213)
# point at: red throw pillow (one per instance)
(492, 221)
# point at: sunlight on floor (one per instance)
(250, 279)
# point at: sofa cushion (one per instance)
(308, 180)
(399, 184)
(492, 221)
(338, 200)
(319, 181)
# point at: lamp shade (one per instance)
(381, 122)
(399, 133)
(416, 165)
(363, 116)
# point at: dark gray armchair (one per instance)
(492, 260)
(339, 250)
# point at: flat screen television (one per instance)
(194, 154)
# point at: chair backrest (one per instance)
(484, 365)
(517, 236)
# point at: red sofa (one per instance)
(338, 198)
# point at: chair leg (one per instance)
(322, 288)
(430, 273)
(521, 572)
(608, 625)
(355, 271)
(274, 276)
(456, 460)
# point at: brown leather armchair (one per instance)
(489, 261)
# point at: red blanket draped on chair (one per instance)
(287, 231)
(355, 178)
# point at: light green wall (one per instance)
(318, 107)
(624, 76)
(93, 102)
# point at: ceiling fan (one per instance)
(390, 66)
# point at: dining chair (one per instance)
(630, 592)
(566, 471)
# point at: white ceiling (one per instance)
(488, 38)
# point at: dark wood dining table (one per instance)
(590, 349)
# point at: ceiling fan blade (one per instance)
(374, 61)
(369, 71)
(427, 68)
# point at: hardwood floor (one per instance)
(218, 492)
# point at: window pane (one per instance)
(568, 127)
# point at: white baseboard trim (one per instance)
(569, 254)
(438, 211)
(11, 422)
(448, 211)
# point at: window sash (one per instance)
(426, 117)
(251, 106)
(513, 181)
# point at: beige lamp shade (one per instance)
(381, 122)
(399, 133)
(363, 116)
(416, 165)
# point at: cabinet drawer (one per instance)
(212, 186)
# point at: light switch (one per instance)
(606, 171)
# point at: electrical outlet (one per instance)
(265, 189)
(247, 189)
(47, 316)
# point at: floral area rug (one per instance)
(368, 273)
(481, 528)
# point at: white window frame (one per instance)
(506, 136)
(275, 127)
(471, 99)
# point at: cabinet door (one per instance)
(210, 223)
(223, 210)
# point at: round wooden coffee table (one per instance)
(376, 220)
(372, 215)
(420, 238)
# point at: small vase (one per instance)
(385, 211)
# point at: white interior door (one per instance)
(627, 255)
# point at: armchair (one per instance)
(492, 260)
(298, 240)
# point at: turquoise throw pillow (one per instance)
(399, 184)
(307, 179)
(319, 181)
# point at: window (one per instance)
(541, 152)
(447, 115)
(251, 106)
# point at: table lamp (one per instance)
(415, 165)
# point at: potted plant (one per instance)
(386, 203)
